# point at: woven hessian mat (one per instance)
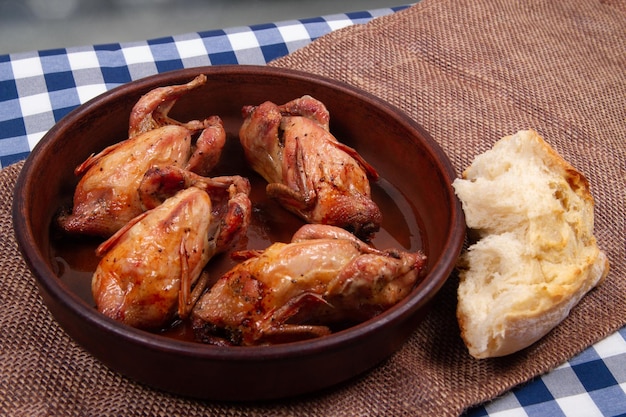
(469, 72)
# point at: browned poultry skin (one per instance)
(208, 147)
(138, 280)
(229, 195)
(149, 267)
(292, 291)
(309, 172)
(151, 110)
(106, 197)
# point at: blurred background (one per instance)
(27, 25)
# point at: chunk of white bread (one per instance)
(535, 255)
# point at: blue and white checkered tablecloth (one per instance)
(38, 88)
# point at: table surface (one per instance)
(38, 88)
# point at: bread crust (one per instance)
(535, 256)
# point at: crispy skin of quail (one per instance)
(229, 195)
(151, 110)
(139, 279)
(294, 291)
(307, 169)
(106, 197)
(152, 269)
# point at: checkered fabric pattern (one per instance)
(38, 88)
(590, 384)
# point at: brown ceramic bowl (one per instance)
(418, 203)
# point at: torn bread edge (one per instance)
(535, 256)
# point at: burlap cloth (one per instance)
(469, 72)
